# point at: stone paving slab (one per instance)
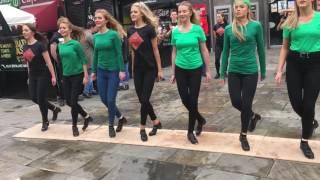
(261, 146)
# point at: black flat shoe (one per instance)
(199, 127)
(121, 122)
(45, 126)
(217, 76)
(143, 134)
(253, 122)
(75, 131)
(86, 122)
(155, 129)
(112, 133)
(192, 138)
(55, 112)
(244, 143)
(307, 151)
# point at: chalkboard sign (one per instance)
(11, 51)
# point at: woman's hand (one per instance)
(53, 81)
(208, 76)
(93, 76)
(85, 80)
(122, 75)
(172, 79)
(160, 75)
(278, 77)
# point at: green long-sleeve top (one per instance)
(107, 53)
(243, 54)
(72, 57)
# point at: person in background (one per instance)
(89, 90)
(40, 69)
(218, 33)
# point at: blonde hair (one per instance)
(193, 19)
(239, 33)
(77, 32)
(293, 20)
(148, 16)
(112, 22)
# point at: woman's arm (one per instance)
(282, 60)
(47, 59)
(157, 56)
(261, 52)
(206, 57)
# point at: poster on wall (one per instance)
(11, 51)
(225, 10)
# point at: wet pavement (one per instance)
(52, 159)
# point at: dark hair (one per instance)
(90, 24)
(173, 10)
(225, 20)
(38, 36)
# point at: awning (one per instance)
(46, 15)
(14, 16)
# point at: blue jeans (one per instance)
(108, 82)
(125, 81)
(89, 87)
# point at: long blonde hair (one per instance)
(293, 20)
(112, 22)
(237, 28)
(148, 15)
(193, 19)
(77, 32)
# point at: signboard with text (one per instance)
(33, 2)
(14, 3)
(11, 52)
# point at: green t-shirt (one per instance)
(306, 37)
(72, 57)
(187, 44)
(243, 58)
(107, 53)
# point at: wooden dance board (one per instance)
(261, 146)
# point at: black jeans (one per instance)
(242, 88)
(144, 82)
(38, 90)
(188, 83)
(217, 54)
(72, 86)
(303, 83)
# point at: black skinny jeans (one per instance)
(38, 90)
(217, 54)
(302, 76)
(242, 88)
(188, 83)
(144, 82)
(72, 86)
